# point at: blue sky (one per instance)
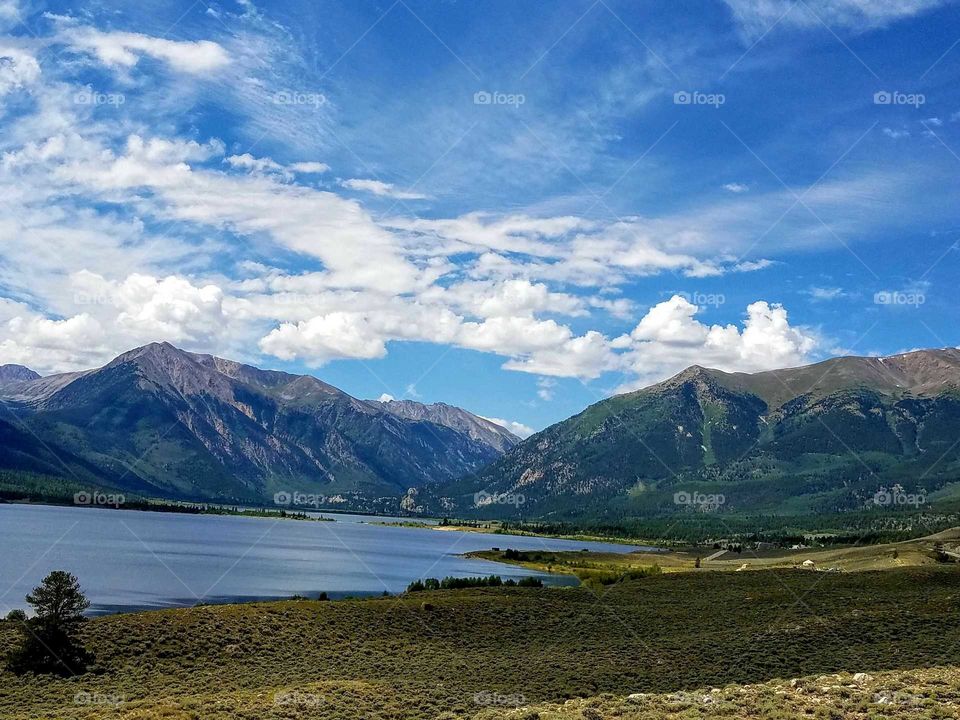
(516, 207)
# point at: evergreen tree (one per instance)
(49, 641)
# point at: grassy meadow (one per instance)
(523, 652)
(606, 566)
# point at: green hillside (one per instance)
(820, 439)
(446, 654)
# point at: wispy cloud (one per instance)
(759, 16)
(382, 189)
(125, 49)
(826, 294)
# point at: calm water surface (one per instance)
(128, 560)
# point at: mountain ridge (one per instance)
(825, 436)
(13, 373)
(163, 421)
(157, 420)
(475, 426)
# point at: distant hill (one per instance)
(164, 422)
(819, 438)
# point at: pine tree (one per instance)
(49, 640)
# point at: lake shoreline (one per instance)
(185, 559)
(411, 522)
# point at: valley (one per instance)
(800, 532)
(500, 360)
(860, 440)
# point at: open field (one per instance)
(908, 553)
(463, 652)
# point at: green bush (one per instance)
(603, 578)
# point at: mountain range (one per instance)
(159, 421)
(823, 438)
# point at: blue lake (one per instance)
(129, 560)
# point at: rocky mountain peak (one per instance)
(11, 373)
(476, 427)
(195, 425)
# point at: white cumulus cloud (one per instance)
(517, 428)
(326, 337)
(669, 339)
(18, 69)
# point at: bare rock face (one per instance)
(478, 428)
